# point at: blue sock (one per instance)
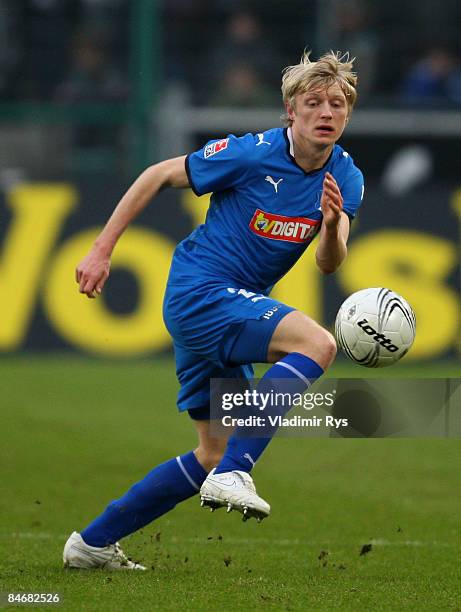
(244, 447)
(158, 492)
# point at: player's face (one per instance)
(320, 115)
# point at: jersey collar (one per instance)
(291, 146)
(291, 152)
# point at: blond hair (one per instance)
(330, 68)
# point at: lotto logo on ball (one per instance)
(279, 227)
(381, 338)
(215, 147)
(375, 327)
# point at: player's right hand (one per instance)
(92, 272)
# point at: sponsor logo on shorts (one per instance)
(279, 227)
(215, 147)
(270, 312)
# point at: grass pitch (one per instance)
(355, 524)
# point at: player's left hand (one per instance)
(331, 202)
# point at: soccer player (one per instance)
(272, 193)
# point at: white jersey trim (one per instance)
(290, 140)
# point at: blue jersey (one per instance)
(264, 211)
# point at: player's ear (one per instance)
(290, 111)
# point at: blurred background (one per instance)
(93, 91)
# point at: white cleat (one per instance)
(235, 491)
(78, 554)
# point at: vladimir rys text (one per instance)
(275, 421)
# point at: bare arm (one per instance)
(332, 249)
(93, 270)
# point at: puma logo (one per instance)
(275, 184)
(261, 140)
(250, 458)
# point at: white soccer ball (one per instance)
(375, 327)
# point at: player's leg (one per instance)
(163, 487)
(301, 350)
(210, 448)
(156, 494)
(230, 326)
(298, 333)
(159, 492)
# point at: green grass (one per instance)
(76, 433)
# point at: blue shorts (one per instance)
(218, 331)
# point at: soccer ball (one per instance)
(375, 327)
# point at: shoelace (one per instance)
(248, 482)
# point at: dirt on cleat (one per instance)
(209, 503)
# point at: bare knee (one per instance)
(327, 348)
(298, 333)
(321, 347)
